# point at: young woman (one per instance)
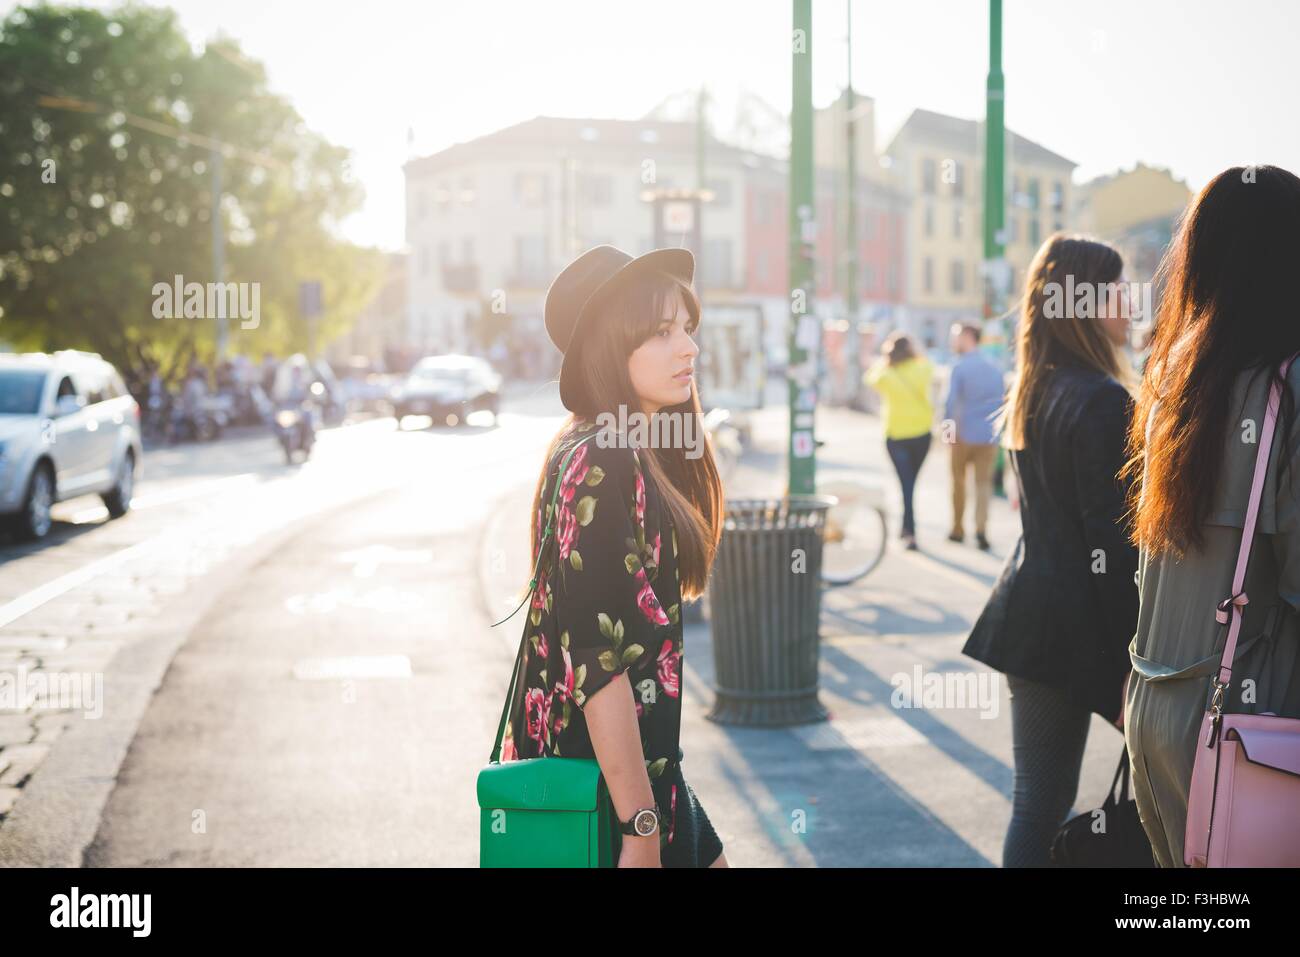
(1063, 610)
(1227, 322)
(636, 533)
(902, 377)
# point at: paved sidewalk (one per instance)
(877, 785)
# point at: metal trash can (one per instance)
(765, 615)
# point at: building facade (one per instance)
(937, 162)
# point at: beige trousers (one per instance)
(980, 457)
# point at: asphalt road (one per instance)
(297, 666)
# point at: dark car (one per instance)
(447, 389)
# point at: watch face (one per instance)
(645, 823)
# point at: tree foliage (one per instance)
(110, 122)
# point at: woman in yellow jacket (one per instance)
(902, 377)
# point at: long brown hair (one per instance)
(897, 348)
(1045, 341)
(691, 489)
(1228, 306)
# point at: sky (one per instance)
(1193, 86)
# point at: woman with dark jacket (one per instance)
(1061, 615)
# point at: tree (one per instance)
(111, 122)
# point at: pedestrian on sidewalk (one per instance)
(635, 534)
(975, 394)
(1064, 608)
(1226, 324)
(902, 375)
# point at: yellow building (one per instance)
(1135, 210)
(938, 161)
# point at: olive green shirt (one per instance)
(1178, 642)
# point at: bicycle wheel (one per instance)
(856, 530)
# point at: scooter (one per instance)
(294, 430)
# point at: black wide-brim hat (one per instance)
(583, 286)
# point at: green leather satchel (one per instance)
(548, 811)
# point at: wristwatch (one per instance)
(643, 823)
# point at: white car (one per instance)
(68, 427)
(447, 388)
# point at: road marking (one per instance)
(859, 734)
(23, 604)
(352, 666)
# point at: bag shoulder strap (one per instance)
(532, 584)
(1233, 603)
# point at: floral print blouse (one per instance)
(607, 601)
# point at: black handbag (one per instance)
(1116, 838)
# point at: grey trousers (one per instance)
(1048, 733)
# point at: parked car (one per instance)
(68, 427)
(447, 386)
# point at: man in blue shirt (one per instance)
(975, 392)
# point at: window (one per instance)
(466, 190)
(956, 223)
(1033, 195)
(927, 273)
(530, 257)
(929, 221)
(891, 278)
(1058, 196)
(762, 266)
(716, 267)
(530, 189)
(91, 383)
(958, 181)
(721, 193)
(595, 189)
(927, 175)
(957, 276)
(1034, 238)
(868, 277)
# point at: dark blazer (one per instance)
(1065, 605)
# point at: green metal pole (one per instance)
(802, 372)
(995, 194)
(994, 142)
(851, 223)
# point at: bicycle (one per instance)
(856, 531)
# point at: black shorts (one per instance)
(694, 842)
